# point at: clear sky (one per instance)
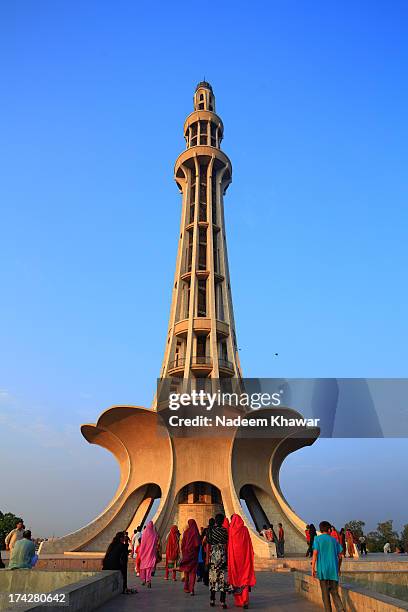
(94, 94)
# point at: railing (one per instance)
(224, 363)
(177, 363)
(198, 360)
(201, 360)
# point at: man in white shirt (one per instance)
(14, 535)
(387, 547)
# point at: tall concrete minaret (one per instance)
(201, 340)
(195, 478)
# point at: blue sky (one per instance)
(94, 95)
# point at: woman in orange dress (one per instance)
(350, 543)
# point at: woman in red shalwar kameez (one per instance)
(241, 575)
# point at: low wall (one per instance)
(82, 591)
(89, 564)
(354, 598)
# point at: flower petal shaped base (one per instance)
(155, 465)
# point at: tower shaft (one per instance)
(201, 339)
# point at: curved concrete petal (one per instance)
(140, 443)
(255, 467)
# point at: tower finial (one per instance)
(204, 97)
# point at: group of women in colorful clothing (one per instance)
(222, 554)
(345, 538)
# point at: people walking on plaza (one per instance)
(201, 557)
(307, 535)
(135, 544)
(217, 538)
(137, 558)
(116, 558)
(190, 547)
(206, 551)
(14, 535)
(159, 554)
(312, 535)
(335, 534)
(280, 547)
(23, 553)
(350, 543)
(342, 536)
(241, 575)
(126, 538)
(326, 564)
(137, 534)
(148, 554)
(363, 544)
(172, 552)
(273, 538)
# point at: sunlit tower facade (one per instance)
(201, 340)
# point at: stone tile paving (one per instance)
(274, 592)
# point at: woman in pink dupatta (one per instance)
(148, 554)
(190, 547)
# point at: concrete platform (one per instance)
(275, 592)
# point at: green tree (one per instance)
(384, 533)
(8, 522)
(356, 527)
(404, 537)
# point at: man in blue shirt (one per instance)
(326, 565)
(23, 553)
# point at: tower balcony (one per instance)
(201, 365)
(207, 153)
(204, 224)
(226, 368)
(201, 274)
(201, 324)
(176, 367)
(203, 115)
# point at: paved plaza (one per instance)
(274, 591)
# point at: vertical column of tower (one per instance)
(201, 339)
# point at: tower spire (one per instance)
(201, 339)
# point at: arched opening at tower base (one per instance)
(134, 512)
(147, 507)
(199, 501)
(252, 505)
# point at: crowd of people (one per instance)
(279, 540)
(220, 556)
(345, 537)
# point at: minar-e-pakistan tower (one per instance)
(201, 339)
(194, 478)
